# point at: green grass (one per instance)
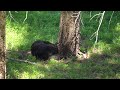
(104, 60)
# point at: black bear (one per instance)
(43, 49)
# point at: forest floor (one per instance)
(103, 60)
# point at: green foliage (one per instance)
(104, 60)
(39, 25)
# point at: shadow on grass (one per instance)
(104, 65)
(98, 66)
(42, 25)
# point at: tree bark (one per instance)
(69, 35)
(2, 46)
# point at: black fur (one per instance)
(43, 49)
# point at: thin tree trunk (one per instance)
(69, 36)
(2, 46)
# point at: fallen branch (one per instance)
(25, 61)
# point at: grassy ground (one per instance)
(103, 61)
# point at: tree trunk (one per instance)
(69, 35)
(2, 46)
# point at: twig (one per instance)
(25, 61)
(90, 14)
(11, 16)
(76, 15)
(16, 11)
(25, 16)
(96, 33)
(95, 16)
(93, 35)
(110, 19)
(82, 21)
(100, 22)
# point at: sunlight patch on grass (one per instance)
(57, 64)
(27, 75)
(114, 61)
(15, 35)
(118, 75)
(117, 41)
(24, 70)
(14, 40)
(117, 28)
(101, 47)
